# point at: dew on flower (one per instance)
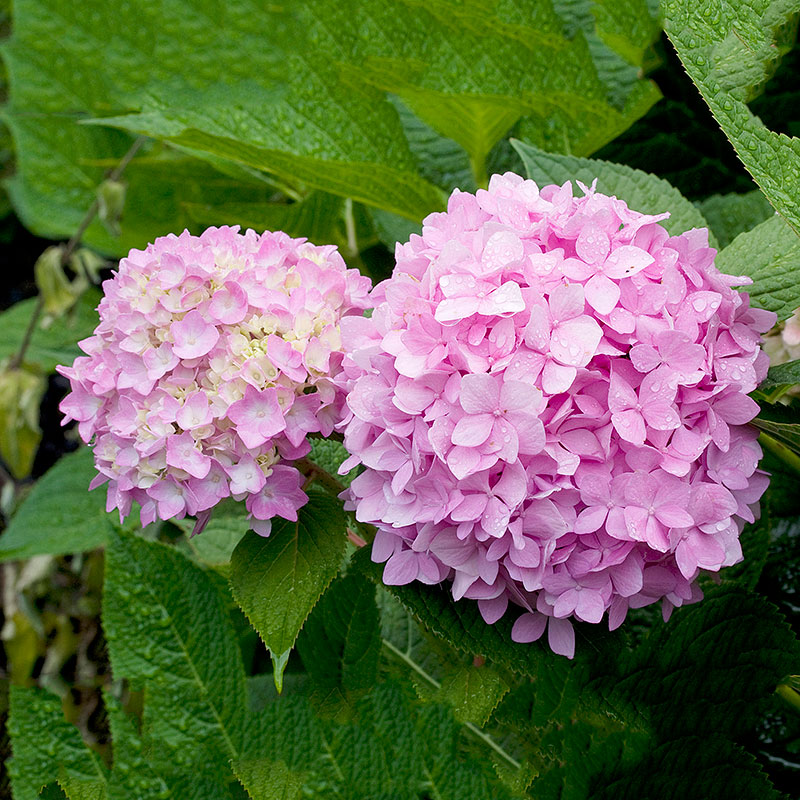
(589, 452)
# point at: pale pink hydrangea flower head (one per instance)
(550, 402)
(214, 359)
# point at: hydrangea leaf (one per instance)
(264, 779)
(642, 191)
(340, 642)
(55, 344)
(277, 580)
(131, 774)
(730, 51)
(167, 627)
(708, 767)
(473, 692)
(461, 623)
(426, 54)
(721, 657)
(731, 214)
(315, 217)
(781, 423)
(781, 376)
(329, 454)
(626, 26)
(60, 515)
(47, 748)
(223, 532)
(768, 254)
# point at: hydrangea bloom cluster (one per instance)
(213, 360)
(550, 401)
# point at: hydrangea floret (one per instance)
(550, 402)
(215, 358)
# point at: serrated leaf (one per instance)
(47, 748)
(340, 642)
(755, 540)
(642, 191)
(769, 254)
(730, 51)
(708, 767)
(781, 423)
(316, 217)
(473, 692)
(166, 625)
(60, 515)
(56, 344)
(277, 580)
(729, 215)
(330, 454)
(264, 779)
(781, 376)
(214, 546)
(460, 623)
(132, 777)
(721, 657)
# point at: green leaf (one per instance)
(626, 26)
(167, 627)
(329, 454)
(709, 668)
(781, 423)
(277, 580)
(316, 217)
(729, 215)
(265, 779)
(709, 767)
(56, 344)
(768, 254)
(131, 774)
(60, 515)
(755, 540)
(642, 191)
(47, 748)
(730, 51)
(460, 623)
(781, 376)
(226, 528)
(340, 642)
(473, 692)
(471, 71)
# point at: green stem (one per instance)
(473, 729)
(781, 451)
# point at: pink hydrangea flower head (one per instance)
(215, 357)
(550, 405)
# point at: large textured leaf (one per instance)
(166, 626)
(47, 748)
(460, 623)
(471, 71)
(729, 215)
(278, 580)
(769, 254)
(60, 515)
(131, 774)
(55, 344)
(340, 642)
(301, 97)
(730, 50)
(642, 191)
(721, 657)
